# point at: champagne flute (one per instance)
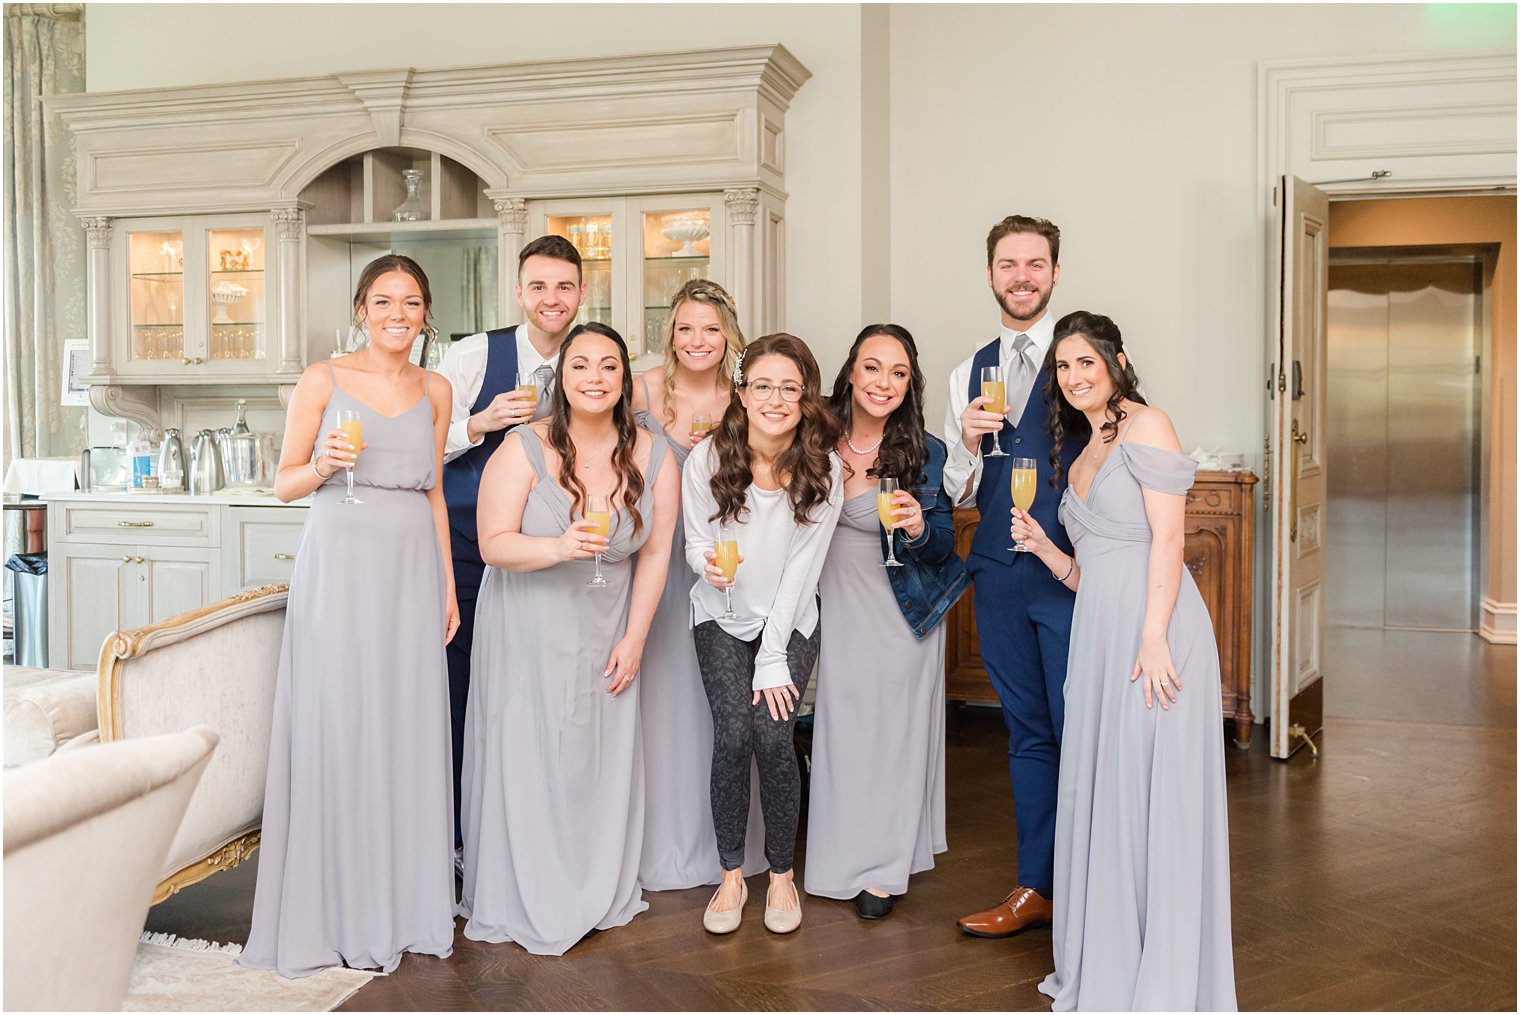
(348, 422)
(726, 556)
(884, 491)
(1023, 478)
(600, 515)
(994, 388)
(701, 423)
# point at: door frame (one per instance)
(1335, 123)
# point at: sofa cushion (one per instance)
(44, 709)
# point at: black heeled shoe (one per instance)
(872, 907)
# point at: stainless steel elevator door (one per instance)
(1403, 443)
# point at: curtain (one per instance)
(44, 243)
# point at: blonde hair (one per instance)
(710, 293)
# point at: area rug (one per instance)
(177, 974)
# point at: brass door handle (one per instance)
(284, 556)
(1299, 438)
(134, 525)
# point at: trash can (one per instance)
(30, 583)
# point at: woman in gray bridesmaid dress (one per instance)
(702, 341)
(355, 866)
(876, 810)
(553, 814)
(1142, 873)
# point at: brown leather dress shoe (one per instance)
(1022, 909)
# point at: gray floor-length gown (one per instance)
(1142, 863)
(680, 850)
(553, 812)
(876, 808)
(356, 863)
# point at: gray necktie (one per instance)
(545, 377)
(1021, 373)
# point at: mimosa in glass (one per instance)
(701, 423)
(1023, 477)
(726, 556)
(994, 388)
(600, 516)
(527, 381)
(348, 422)
(884, 492)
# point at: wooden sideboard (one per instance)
(1217, 550)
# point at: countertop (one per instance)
(229, 498)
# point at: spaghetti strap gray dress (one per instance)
(356, 864)
(876, 807)
(680, 849)
(1142, 870)
(553, 812)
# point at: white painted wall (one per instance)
(1133, 128)
(161, 45)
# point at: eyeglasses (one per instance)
(764, 389)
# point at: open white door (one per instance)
(1297, 505)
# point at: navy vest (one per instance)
(461, 477)
(1030, 439)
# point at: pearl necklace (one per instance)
(867, 451)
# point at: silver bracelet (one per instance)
(1068, 571)
(318, 471)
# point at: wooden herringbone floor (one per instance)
(1380, 876)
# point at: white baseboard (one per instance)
(1498, 624)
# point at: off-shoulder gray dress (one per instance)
(356, 863)
(876, 809)
(680, 850)
(1142, 862)
(553, 787)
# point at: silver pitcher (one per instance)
(205, 464)
(171, 462)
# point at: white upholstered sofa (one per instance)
(86, 833)
(215, 667)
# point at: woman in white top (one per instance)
(768, 479)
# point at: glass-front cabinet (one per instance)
(197, 297)
(636, 253)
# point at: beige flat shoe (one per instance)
(783, 921)
(727, 921)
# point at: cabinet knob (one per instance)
(134, 525)
(199, 361)
(138, 559)
(284, 556)
(185, 360)
(126, 559)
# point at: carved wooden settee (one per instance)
(214, 667)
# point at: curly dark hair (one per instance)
(903, 450)
(803, 468)
(630, 479)
(1067, 422)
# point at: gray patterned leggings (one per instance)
(741, 729)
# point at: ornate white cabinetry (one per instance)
(119, 561)
(227, 223)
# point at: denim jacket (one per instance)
(932, 577)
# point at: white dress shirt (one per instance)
(775, 590)
(464, 367)
(961, 464)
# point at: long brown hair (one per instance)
(705, 291)
(630, 479)
(1066, 421)
(903, 449)
(804, 467)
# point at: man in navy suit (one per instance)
(483, 370)
(1023, 614)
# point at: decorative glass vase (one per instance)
(412, 209)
